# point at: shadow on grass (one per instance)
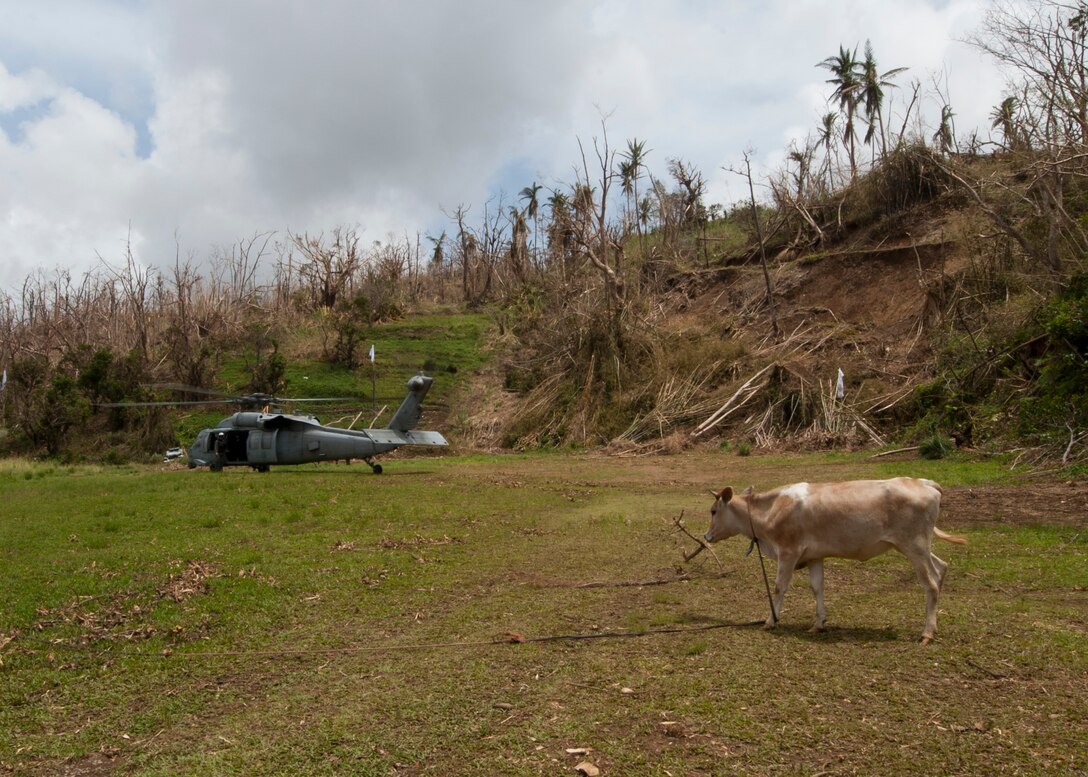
(833, 634)
(313, 469)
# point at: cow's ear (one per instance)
(726, 494)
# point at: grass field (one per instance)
(323, 620)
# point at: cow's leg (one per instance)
(781, 583)
(816, 580)
(929, 575)
(941, 567)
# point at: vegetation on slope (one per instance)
(944, 275)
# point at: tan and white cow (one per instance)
(804, 523)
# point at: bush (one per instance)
(936, 447)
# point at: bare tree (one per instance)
(192, 325)
(796, 191)
(1043, 43)
(328, 265)
(595, 236)
(691, 185)
(478, 248)
(134, 280)
(747, 173)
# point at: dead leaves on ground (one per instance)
(124, 615)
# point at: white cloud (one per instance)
(214, 121)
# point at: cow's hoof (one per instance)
(769, 625)
(926, 639)
(819, 628)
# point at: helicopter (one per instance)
(259, 438)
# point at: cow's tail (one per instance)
(949, 537)
(940, 534)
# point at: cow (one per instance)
(802, 524)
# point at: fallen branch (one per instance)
(629, 583)
(1073, 439)
(897, 450)
(679, 523)
(632, 583)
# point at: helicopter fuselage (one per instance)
(259, 440)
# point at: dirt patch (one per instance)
(884, 288)
(1060, 503)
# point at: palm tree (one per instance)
(827, 134)
(847, 80)
(1003, 117)
(559, 230)
(582, 200)
(635, 157)
(945, 136)
(532, 207)
(519, 239)
(627, 182)
(872, 95)
(438, 255)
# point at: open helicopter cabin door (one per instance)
(230, 444)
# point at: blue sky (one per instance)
(182, 128)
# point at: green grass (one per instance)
(322, 620)
(447, 347)
(443, 346)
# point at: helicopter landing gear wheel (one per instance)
(262, 468)
(375, 468)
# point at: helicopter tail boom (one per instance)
(409, 412)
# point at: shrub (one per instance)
(936, 447)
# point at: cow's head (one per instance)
(726, 514)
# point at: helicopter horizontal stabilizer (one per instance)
(396, 437)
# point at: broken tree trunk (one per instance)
(732, 404)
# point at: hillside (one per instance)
(954, 313)
(937, 320)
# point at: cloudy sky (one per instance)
(184, 127)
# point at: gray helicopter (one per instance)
(261, 438)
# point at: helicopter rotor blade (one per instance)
(253, 400)
(162, 403)
(314, 399)
(181, 387)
